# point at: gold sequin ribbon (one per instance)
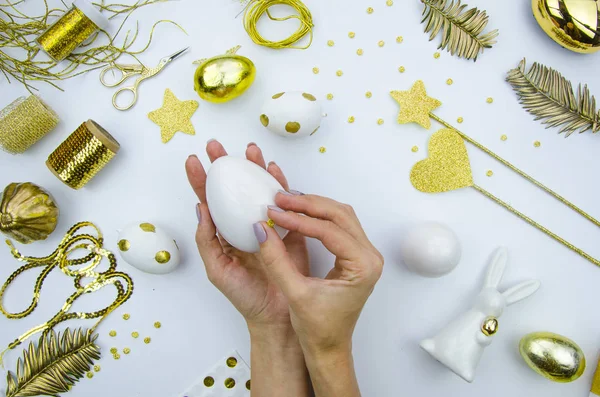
(83, 154)
(24, 122)
(62, 258)
(596, 382)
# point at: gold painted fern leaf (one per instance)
(461, 30)
(54, 365)
(549, 96)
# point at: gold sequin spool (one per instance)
(83, 154)
(24, 122)
(71, 30)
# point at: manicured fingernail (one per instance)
(296, 193)
(198, 213)
(260, 233)
(210, 140)
(272, 163)
(192, 155)
(251, 144)
(275, 208)
(285, 193)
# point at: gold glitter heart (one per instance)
(447, 167)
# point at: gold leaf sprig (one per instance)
(462, 31)
(546, 94)
(54, 365)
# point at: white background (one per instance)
(366, 165)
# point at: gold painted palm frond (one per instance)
(54, 365)
(549, 96)
(462, 31)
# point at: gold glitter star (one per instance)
(174, 116)
(415, 105)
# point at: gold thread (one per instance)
(255, 10)
(24, 122)
(82, 155)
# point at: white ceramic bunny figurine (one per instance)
(460, 345)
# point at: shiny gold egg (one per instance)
(553, 356)
(490, 326)
(574, 24)
(223, 78)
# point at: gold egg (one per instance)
(490, 326)
(553, 356)
(574, 24)
(27, 212)
(224, 77)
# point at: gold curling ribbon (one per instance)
(24, 122)
(71, 30)
(596, 383)
(83, 154)
(61, 258)
(255, 10)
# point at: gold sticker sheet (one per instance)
(230, 377)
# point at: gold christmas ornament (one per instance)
(553, 356)
(27, 212)
(224, 77)
(574, 24)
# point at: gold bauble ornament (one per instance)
(27, 212)
(224, 77)
(553, 356)
(574, 24)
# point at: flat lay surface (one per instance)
(366, 163)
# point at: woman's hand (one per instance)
(324, 311)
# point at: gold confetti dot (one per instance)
(114, 350)
(436, 55)
(157, 325)
(351, 35)
(489, 173)
(116, 356)
(460, 120)
(381, 43)
(248, 384)
(330, 96)
(339, 73)
(402, 69)
(359, 51)
(503, 138)
(449, 81)
(97, 368)
(126, 350)
(271, 223)
(380, 121)
(415, 149)
(90, 374)
(209, 381)
(322, 149)
(399, 39)
(330, 43)
(490, 100)
(112, 333)
(147, 340)
(316, 70)
(232, 362)
(350, 120)
(389, 3)
(126, 316)
(368, 94)
(135, 335)
(229, 383)
(537, 144)
(370, 10)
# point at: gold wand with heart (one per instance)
(448, 167)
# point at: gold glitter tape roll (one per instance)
(24, 122)
(83, 154)
(72, 29)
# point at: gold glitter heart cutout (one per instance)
(447, 167)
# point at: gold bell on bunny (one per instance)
(460, 345)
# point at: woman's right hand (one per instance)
(324, 312)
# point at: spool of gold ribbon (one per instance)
(24, 122)
(72, 29)
(83, 154)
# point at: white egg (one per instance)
(292, 114)
(431, 250)
(148, 248)
(238, 193)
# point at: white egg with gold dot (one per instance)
(292, 114)
(148, 248)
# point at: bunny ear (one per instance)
(496, 268)
(521, 291)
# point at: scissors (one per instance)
(127, 71)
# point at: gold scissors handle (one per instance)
(145, 74)
(125, 71)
